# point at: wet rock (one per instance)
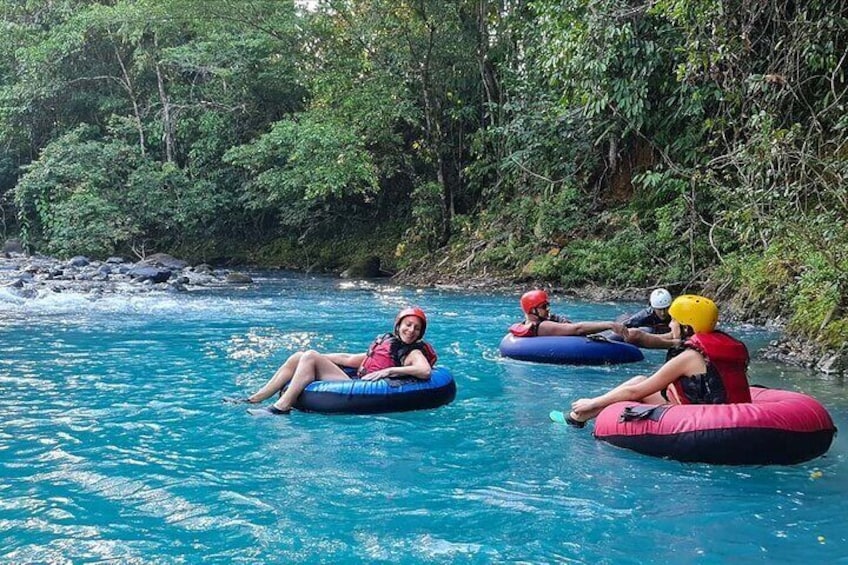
(198, 279)
(13, 247)
(834, 363)
(163, 260)
(151, 274)
(33, 276)
(238, 278)
(368, 268)
(175, 286)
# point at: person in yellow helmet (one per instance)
(709, 368)
(538, 320)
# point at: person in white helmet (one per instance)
(653, 327)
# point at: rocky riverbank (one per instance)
(26, 277)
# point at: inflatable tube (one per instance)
(568, 350)
(376, 397)
(778, 427)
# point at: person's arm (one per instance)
(689, 362)
(415, 365)
(651, 341)
(675, 330)
(352, 360)
(578, 328)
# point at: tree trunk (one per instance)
(128, 86)
(167, 123)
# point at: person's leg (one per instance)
(280, 379)
(312, 367)
(579, 420)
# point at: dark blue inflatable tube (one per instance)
(376, 397)
(569, 350)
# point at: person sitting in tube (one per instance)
(665, 332)
(402, 353)
(709, 368)
(538, 320)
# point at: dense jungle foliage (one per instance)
(689, 143)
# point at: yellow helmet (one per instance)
(699, 312)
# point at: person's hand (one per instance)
(377, 375)
(633, 336)
(621, 330)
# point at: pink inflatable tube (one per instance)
(778, 427)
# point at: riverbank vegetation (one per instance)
(699, 144)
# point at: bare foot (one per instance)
(267, 411)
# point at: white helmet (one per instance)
(660, 298)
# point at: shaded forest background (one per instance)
(695, 144)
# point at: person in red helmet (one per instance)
(402, 353)
(538, 320)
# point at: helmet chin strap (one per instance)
(535, 312)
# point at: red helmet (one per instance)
(412, 311)
(533, 299)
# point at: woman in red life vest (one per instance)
(538, 320)
(401, 353)
(709, 368)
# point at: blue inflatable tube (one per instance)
(569, 350)
(376, 397)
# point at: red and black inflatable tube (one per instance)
(778, 427)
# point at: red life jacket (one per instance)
(726, 379)
(390, 351)
(521, 330)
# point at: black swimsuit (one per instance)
(704, 388)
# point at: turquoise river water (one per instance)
(115, 446)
